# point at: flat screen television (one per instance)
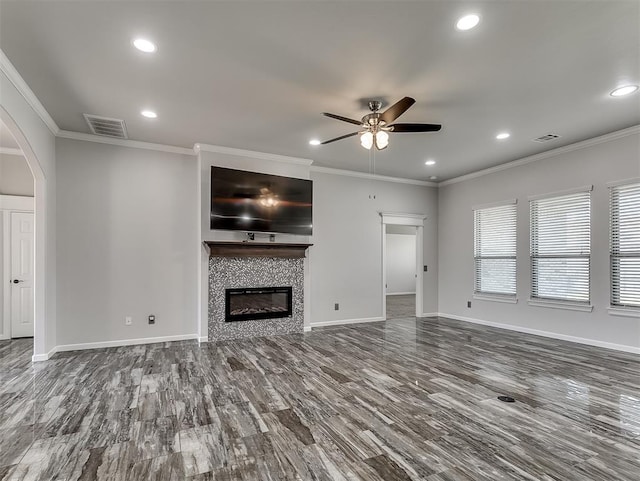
(253, 202)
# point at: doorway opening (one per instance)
(17, 240)
(402, 257)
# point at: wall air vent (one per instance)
(546, 138)
(106, 126)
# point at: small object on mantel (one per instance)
(251, 236)
(272, 237)
(256, 249)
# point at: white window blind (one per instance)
(561, 247)
(625, 245)
(495, 250)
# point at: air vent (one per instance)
(106, 126)
(546, 138)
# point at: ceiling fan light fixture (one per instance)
(366, 140)
(382, 140)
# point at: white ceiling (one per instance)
(257, 74)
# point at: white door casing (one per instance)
(417, 221)
(22, 274)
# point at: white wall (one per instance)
(127, 236)
(38, 142)
(15, 176)
(401, 263)
(596, 165)
(346, 259)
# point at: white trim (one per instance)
(491, 205)
(307, 328)
(17, 202)
(496, 298)
(560, 305)
(250, 153)
(203, 339)
(545, 155)
(364, 175)
(340, 322)
(124, 342)
(10, 151)
(400, 293)
(624, 312)
(552, 335)
(44, 357)
(560, 193)
(396, 218)
(617, 183)
(16, 79)
(134, 144)
(429, 314)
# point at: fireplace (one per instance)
(258, 303)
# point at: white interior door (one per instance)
(22, 266)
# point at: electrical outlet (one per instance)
(468, 303)
(336, 307)
(152, 319)
(425, 268)
(128, 321)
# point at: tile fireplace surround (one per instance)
(248, 264)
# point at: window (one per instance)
(495, 250)
(561, 247)
(625, 245)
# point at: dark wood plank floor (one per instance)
(400, 400)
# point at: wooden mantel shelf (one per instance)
(256, 249)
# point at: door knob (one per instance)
(15, 281)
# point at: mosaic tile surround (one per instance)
(239, 272)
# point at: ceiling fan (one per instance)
(376, 126)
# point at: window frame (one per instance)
(558, 302)
(493, 295)
(628, 310)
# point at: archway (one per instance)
(40, 189)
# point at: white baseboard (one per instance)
(340, 322)
(552, 335)
(430, 314)
(118, 343)
(203, 339)
(307, 328)
(400, 293)
(44, 357)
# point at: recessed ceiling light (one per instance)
(150, 114)
(433, 177)
(624, 90)
(467, 22)
(314, 142)
(144, 45)
(503, 135)
(430, 162)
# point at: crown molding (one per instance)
(545, 155)
(9, 151)
(364, 175)
(217, 149)
(16, 79)
(135, 144)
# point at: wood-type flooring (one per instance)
(409, 399)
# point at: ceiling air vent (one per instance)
(546, 138)
(106, 126)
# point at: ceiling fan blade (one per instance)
(340, 117)
(415, 127)
(397, 109)
(339, 138)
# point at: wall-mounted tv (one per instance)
(253, 202)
